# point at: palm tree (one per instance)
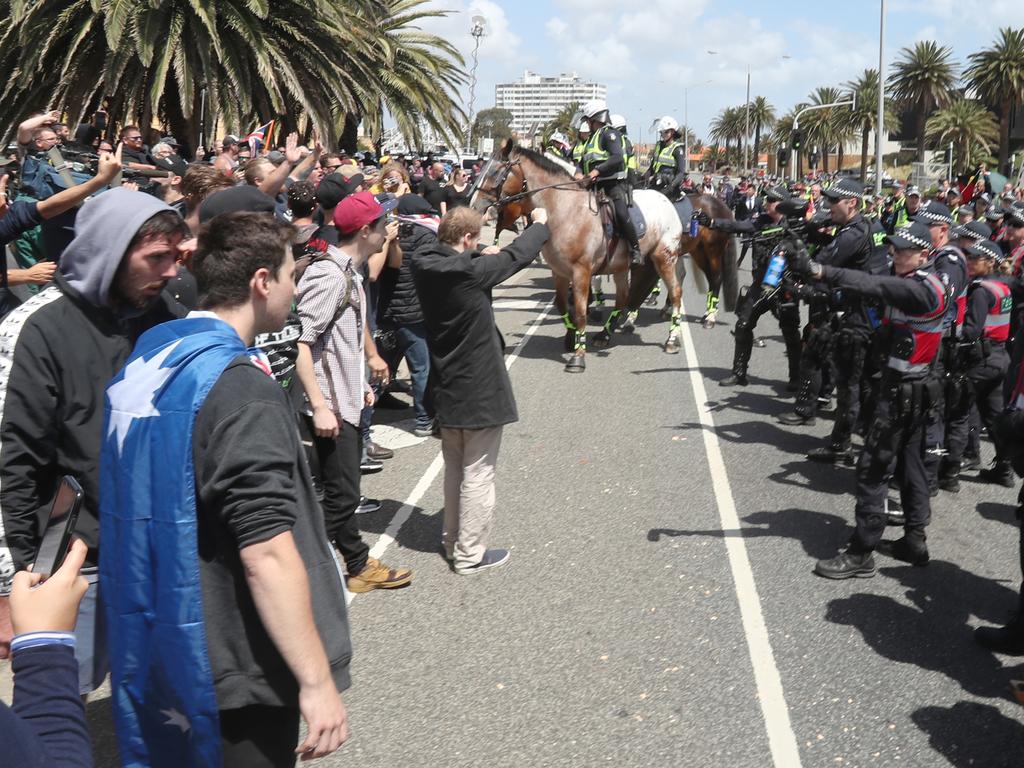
(970, 127)
(720, 132)
(922, 79)
(828, 127)
(762, 115)
(997, 75)
(864, 115)
(563, 121)
(313, 61)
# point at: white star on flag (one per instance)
(132, 397)
(175, 718)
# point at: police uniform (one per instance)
(843, 335)
(667, 170)
(909, 342)
(603, 153)
(768, 233)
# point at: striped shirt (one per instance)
(335, 341)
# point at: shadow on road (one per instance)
(422, 532)
(933, 633)
(819, 533)
(1000, 513)
(973, 734)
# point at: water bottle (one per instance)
(776, 267)
(694, 226)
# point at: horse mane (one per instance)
(542, 162)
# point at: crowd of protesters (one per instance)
(278, 293)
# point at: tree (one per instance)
(923, 78)
(997, 75)
(970, 127)
(864, 116)
(829, 127)
(563, 121)
(495, 123)
(762, 115)
(312, 62)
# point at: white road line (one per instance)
(427, 479)
(781, 739)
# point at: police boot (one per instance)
(794, 346)
(909, 548)
(949, 476)
(1000, 473)
(740, 360)
(803, 414)
(832, 454)
(847, 565)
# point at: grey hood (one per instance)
(104, 227)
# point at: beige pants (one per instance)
(470, 456)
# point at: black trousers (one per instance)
(747, 315)
(896, 437)
(618, 193)
(339, 460)
(985, 389)
(849, 354)
(259, 736)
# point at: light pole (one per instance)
(852, 103)
(881, 102)
(477, 31)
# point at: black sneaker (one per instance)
(492, 558)
(369, 466)
(367, 506)
(1008, 640)
(901, 549)
(735, 379)
(847, 565)
(831, 454)
(797, 420)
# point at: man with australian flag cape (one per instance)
(225, 609)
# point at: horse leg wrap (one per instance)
(569, 324)
(613, 319)
(599, 297)
(581, 342)
(656, 291)
(676, 323)
(712, 305)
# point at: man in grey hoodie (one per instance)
(58, 352)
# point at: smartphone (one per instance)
(60, 527)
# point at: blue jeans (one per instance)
(412, 345)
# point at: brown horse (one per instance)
(578, 248)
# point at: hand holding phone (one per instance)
(39, 604)
(60, 526)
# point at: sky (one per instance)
(655, 58)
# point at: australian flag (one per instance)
(165, 709)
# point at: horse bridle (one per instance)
(495, 192)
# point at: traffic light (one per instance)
(814, 159)
(782, 158)
(796, 139)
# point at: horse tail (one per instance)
(699, 278)
(730, 274)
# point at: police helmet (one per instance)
(584, 126)
(618, 122)
(666, 123)
(596, 109)
(559, 138)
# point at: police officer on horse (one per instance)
(667, 170)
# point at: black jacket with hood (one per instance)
(58, 351)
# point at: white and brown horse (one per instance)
(578, 248)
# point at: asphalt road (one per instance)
(637, 624)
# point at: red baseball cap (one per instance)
(358, 210)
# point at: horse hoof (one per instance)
(708, 321)
(602, 340)
(578, 364)
(672, 346)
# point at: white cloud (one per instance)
(499, 42)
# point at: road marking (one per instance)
(781, 739)
(427, 479)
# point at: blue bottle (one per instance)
(694, 226)
(776, 267)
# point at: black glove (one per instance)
(800, 261)
(703, 219)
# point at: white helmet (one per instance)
(559, 138)
(595, 109)
(618, 122)
(666, 123)
(584, 126)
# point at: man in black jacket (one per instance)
(58, 351)
(471, 389)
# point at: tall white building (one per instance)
(534, 100)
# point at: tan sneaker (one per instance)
(376, 575)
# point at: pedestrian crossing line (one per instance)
(390, 535)
(781, 739)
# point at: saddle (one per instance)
(606, 211)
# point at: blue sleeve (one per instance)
(47, 703)
(21, 216)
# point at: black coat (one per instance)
(398, 303)
(470, 386)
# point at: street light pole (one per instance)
(746, 137)
(477, 31)
(880, 127)
(796, 120)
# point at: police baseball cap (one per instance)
(953, 192)
(776, 194)
(984, 249)
(973, 230)
(915, 235)
(913, 192)
(994, 213)
(934, 212)
(1015, 214)
(844, 189)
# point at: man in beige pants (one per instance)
(470, 387)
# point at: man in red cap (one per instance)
(332, 366)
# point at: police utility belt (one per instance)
(912, 399)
